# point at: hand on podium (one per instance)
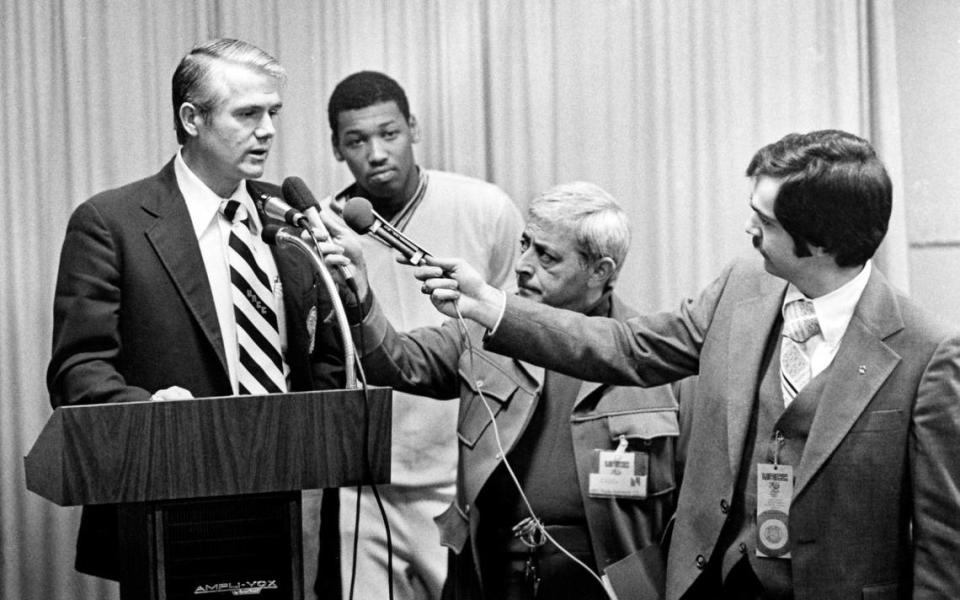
(174, 392)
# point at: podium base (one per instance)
(212, 548)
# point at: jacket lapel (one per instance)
(178, 250)
(747, 343)
(862, 364)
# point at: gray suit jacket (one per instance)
(876, 507)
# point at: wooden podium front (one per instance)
(209, 488)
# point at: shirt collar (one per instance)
(203, 204)
(602, 307)
(834, 310)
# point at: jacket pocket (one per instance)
(879, 420)
(652, 433)
(497, 386)
(644, 426)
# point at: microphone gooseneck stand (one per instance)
(282, 237)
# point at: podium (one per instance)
(208, 488)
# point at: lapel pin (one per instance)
(862, 369)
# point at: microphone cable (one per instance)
(365, 458)
(503, 454)
(364, 453)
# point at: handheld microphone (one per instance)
(360, 216)
(275, 208)
(296, 192)
(301, 198)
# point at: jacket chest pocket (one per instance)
(652, 434)
(497, 388)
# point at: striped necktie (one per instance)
(799, 325)
(262, 369)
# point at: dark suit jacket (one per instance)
(134, 313)
(436, 362)
(876, 506)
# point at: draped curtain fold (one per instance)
(661, 102)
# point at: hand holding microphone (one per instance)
(453, 283)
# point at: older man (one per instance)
(588, 469)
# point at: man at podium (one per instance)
(165, 289)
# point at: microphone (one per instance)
(360, 216)
(275, 208)
(276, 235)
(301, 199)
(296, 192)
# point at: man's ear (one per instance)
(414, 129)
(190, 118)
(336, 150)
(602, 271)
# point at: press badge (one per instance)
(774, 492)
(619, 473)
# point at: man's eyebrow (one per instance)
(260, 105)
(757, 210)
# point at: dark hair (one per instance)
(192, 79)
(834, 193)
(363, 89)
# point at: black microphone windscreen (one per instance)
(358, 214)
(297, 194)
(269, 234)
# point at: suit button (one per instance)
(724, 506)
(701, 561)
(742, 548)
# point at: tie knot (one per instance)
(235, 212)
(800, 320)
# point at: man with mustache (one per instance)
(595, 463)
(148, 301)
(823, 460)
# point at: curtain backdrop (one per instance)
(661, 102)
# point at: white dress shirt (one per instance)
(213, 233)
(834, 311)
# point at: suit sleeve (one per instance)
(646, 351)
(423, 361)
(935, 476)
(86, 338)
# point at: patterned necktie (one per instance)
(262, 369)
(799, 325)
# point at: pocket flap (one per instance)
(496, 382)
(879, 420)
(454, 528)
(498, 388)
(646, 425)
